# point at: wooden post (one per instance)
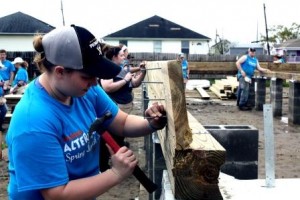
(193, 157)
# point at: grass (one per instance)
(3, 145)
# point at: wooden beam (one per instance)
(203, 93)
(284, 67)
(281, 75)
(166, 82)
(231, 66)
(283, 71)
(193, 157)
(212, 67)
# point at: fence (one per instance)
(33, 71)
(293, 59)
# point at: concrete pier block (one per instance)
(241, 144)
(251, 98)
(294, 103)
(260, 95)
(276, 96)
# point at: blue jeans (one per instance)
(3, 111)
(243, 92)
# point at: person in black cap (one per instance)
(246, 66)
(52, 153)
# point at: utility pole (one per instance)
(267, 37)
(62, 11)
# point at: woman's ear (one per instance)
(59, 70)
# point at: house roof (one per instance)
(156, 27)
(252, 45)
(289, 44)
(19, 23)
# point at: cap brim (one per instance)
(102, 68)
(93, 61)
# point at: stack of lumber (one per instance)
(203, 93)
(225, 88)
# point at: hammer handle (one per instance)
(137, 172)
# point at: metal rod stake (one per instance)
(269, 146)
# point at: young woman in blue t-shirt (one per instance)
(52, 154)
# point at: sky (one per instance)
(238, 21)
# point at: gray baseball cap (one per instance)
(76, 48)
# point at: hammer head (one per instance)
(97, 124)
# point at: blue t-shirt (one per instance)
(22, 75)
(1, 87)
(248, 66)
(184, 66)
(48, 142)
(7, 69)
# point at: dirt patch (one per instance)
(286, 137)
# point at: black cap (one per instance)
(76, 48)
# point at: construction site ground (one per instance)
(210, 112)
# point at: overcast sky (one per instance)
(236, 20)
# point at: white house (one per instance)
(17, 31)
(159, 35)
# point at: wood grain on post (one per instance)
(193, 157)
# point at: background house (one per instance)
(290, 49)
(241, 49)
(220, 48)
(17, 31)
(159, 35)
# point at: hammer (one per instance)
(137, 172)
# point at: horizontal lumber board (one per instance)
(193, 158)
(203, 93)
(281, 75)
(282, 71)
(231, 66)
(212, 67)
(283, 67)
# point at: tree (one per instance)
(221, 46)
(280, 33)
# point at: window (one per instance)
(185, 46)
(154, 25)
(175, 29)
(157, 46)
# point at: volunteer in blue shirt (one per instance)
(7, 71)
(246, 65)
(51, 153)
(21, 77)
(3, 111)
(185, 68)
